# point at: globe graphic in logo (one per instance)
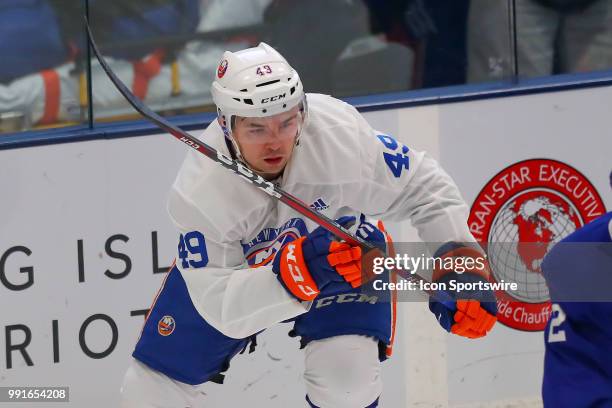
(519, 215)
(522, 232)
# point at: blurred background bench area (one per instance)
(168, 50)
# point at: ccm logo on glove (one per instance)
(317, 264)
(291, 273)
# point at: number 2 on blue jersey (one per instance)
(398, 160)
(557, 318)
(192, 250)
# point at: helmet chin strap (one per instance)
(230, 142)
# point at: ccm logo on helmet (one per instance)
(273, 98)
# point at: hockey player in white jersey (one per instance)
(238, 248)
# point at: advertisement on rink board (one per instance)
(532, 169)
(85, 242)
(544, 187)
(531, 201)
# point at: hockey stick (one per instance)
(239, 169)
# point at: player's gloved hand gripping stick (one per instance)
(310, 265)
(317, 264)
(247, 174)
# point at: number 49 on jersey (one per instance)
(397, 155)
(192, 250)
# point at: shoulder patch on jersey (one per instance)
(166, 325)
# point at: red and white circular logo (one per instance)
(222, 68)
(166, 325)
(518, 216)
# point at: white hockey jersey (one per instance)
(342, 166)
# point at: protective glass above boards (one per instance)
(169, 51)
(43, 72)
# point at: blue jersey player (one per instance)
(578, 358)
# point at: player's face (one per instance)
(267, 143)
